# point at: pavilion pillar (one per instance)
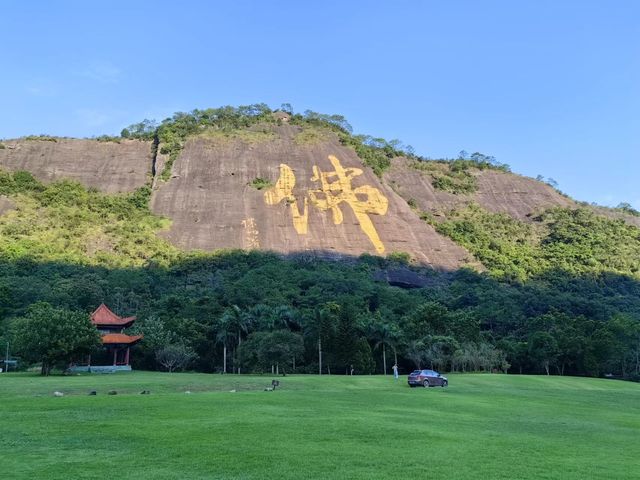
(115, 356)
(89, 361)
(126, 357)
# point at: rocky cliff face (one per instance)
(320, 199)
(108, 166)
(280, 189)
(497, 192)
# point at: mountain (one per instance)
(292, 188)
(271, 220)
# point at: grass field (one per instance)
(482, 426)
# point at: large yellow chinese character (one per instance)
(335, 188)
(283, 190)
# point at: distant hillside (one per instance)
(107, 166)
(251, 178)
(232, 226)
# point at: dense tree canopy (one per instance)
(54, 336)
(243, 303)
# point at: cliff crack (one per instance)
(154, 159)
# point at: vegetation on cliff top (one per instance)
(172, 133)
(375, 152)
(456, 175)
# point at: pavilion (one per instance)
(117, 345)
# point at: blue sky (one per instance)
(549, 87)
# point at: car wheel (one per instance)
(425, 383)
(445, 383)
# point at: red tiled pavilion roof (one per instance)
(104, 316)
(111, 338)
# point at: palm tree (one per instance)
(321, 325)
(259, 315)
(287, 317)
(223, 336)
(384, 334)
(237, 322)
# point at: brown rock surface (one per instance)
(108, 166)
(617, 215)
(322, 200)
(212, 204)
(498, 192)
(515, 195)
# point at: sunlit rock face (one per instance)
(497, 192)
(321, 199)
(108, 166)
(280, 190)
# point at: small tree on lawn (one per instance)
(175, 356)
(54, 336)
(156, 337)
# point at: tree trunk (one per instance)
(224, 358)
(384, 359)
(319, 356)
(277, 369)
(239, 343)
(234, 354)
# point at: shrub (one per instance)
(454, 182)
(26, 182)
(260, 183)
(18, 182)
(627, 208)
(108, 138)
(403, 258)
(43, 138)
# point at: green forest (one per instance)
(557, 295)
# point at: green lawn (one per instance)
(482, 426)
